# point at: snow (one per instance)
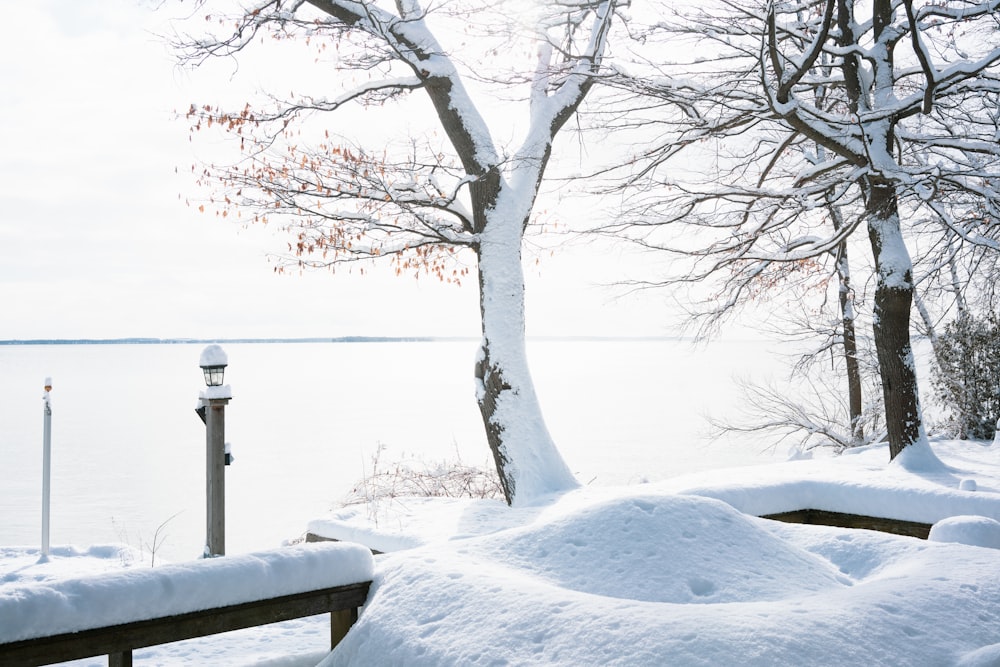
(535, 466)
(860, 481)
(72, 604)
(674, 579)
(979, 531)
(216, 393)
(674, 572)
(895, 267)
(213, 355)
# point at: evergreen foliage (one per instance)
(967, 376)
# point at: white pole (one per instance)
(46, 466)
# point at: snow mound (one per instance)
(677, 549)
(625, 581)
(919, 457)
(987, 656)
(977, 531)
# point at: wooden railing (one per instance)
(842, 520)
(118, 641)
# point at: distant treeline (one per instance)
(341, 339)
(184, 341)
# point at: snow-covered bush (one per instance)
(419, 477)
(967, 375)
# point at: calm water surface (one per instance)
(306, 418)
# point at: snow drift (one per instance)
(655, 580)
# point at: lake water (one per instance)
(128, 450)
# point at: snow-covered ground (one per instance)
(675, 572)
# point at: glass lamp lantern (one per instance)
(214, 375)
(213, 364)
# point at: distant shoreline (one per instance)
(340, 339)
(187, 341)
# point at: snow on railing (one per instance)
(72, 605)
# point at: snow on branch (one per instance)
(788, 80)
(555, 99)
(414, 44)
(963, 12)
(923, 56)
(376, 37)
(559, 88)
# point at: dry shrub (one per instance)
(417, 477)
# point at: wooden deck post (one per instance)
(215, 442)
(122, 659)
(341, 621)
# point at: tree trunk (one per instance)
(526, 458)
(851, 356)
(893, 298)
(848, 317)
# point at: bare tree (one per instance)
(889, 117)
(827, 351)
(421, 205)
(809, 414)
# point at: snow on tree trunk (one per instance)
(893, 298)
(527, 460)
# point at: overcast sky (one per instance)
(97, 242)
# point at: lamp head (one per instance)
(213, 363)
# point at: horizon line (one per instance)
(304, 339)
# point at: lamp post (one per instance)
(213, 404)
(46, 466)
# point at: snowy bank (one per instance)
(863, 482)
(662, 573)
(54, 606)
(860, 481)
(675, 579)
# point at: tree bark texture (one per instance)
(854, 396)
(893, 299)
(848, 317)
(490, 377)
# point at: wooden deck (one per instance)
(118, 641)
